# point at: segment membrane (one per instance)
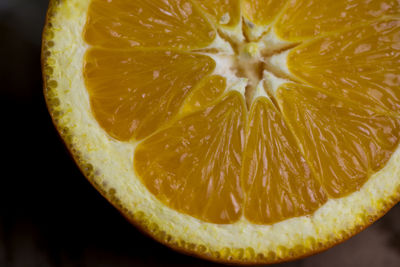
(277, 180)
(133, 93)
(343, 143)
(194, 165)
(206, 92)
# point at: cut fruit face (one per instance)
(194, 165)
(222, 12)
(126, 24)
(344, 143)
(368, 65)
(262, 12)
(140, 81)
(277, 179)
(305, 19)
(239, 131)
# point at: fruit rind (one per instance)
(107, 164)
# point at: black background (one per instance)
(49, 213)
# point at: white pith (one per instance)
(113, 160)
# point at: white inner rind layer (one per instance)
(113, 165)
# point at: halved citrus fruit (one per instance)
(252, 131)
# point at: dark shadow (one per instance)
(390, 224)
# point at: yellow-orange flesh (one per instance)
(194, 165)
(223, 12)
(200, 149)
(262, 12)
(279, 183)
(305, 19)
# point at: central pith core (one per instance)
(249, 65)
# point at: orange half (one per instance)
(253, 131)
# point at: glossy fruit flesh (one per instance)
(279, 183)
(199, 151)
(194, 165)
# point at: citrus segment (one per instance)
(206, 92)
(304, 19)
(132, 93)
(223, 12)
(277, 180)
(157, 23)
(262, 12)
(194, 165)
(362, 64)
(344, 143)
